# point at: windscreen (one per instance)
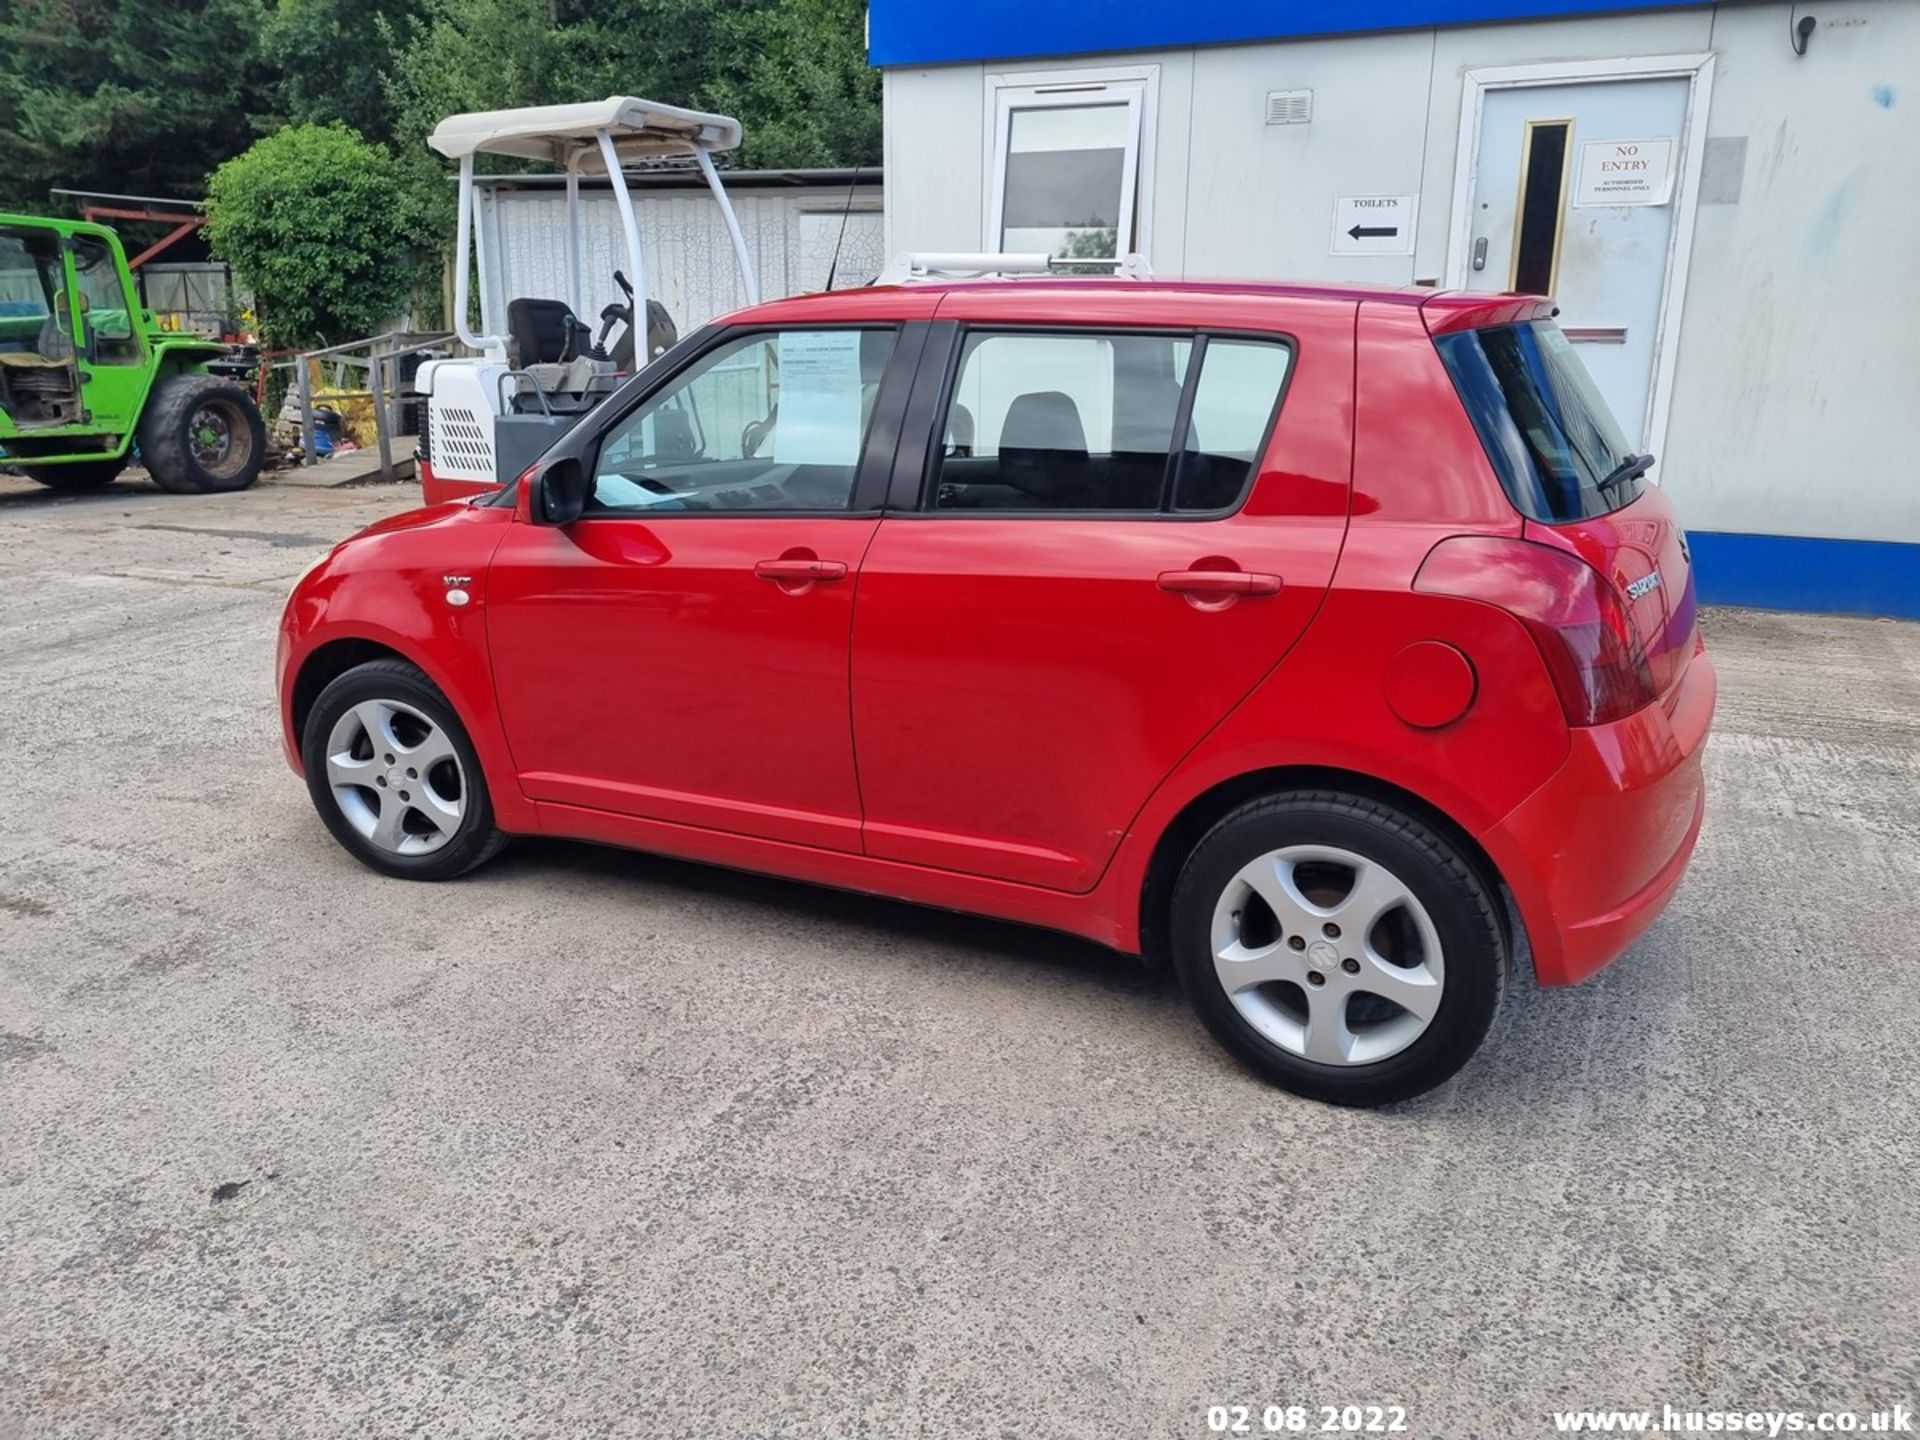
(1556, 447)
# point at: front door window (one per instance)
(105, 307)
(769, 422)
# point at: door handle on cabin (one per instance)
(1219, 582)
(1480, 253)
(819, 572)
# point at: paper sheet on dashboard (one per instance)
(819, 420)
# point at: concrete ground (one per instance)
(600, 1144)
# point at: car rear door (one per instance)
(1053, 610)
(680, 652)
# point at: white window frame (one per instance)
(1138, 86)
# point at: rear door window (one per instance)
(1557, 449)
(1061, 422)
(1087, 422)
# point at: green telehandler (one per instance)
(86, 375)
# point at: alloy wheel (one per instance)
(1328, 955)
(396, 777)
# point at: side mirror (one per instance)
(560, 491)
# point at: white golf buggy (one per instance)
(490, 415)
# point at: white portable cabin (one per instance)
(466, 398)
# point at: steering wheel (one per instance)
(611, 315)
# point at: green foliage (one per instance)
(1090, 240)
(331, 59)
(317, 223)
(457, 50)
(123, 95)
(793, 71)
(149, 96)
(807, 98)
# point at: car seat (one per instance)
(544, 332)
(1043, 448)
(54, 342)
(673, 437)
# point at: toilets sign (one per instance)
(1373, 225)
(1624, 172)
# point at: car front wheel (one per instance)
(394, 776)
(1341, 949)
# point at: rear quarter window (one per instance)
(1557, 449)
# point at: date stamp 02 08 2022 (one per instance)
(1306, 1419)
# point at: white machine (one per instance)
(491, 414)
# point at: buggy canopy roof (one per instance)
(568, 134)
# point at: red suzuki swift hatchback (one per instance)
(1319, 639)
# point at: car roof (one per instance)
(1443, 309)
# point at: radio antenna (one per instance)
(840, 239)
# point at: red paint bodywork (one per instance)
(1007, 714)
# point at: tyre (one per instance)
(394, 777)
(86, 475)
(1339, 948)
(201, 435)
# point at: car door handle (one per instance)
(819, 572)
(1219, 582)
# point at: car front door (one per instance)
(1071, 600)
(680, 652)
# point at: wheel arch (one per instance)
(183, 357)
(329, 661)
(1205, 810)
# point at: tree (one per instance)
(317, 223)
(807, 98)
(330, 59)
(463, 55)
(119, 95)
(150, 95)
(793, 71)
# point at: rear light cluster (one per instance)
(1575, 616)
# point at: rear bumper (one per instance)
(1594, 854)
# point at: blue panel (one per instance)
(1788, 572)
(929, 32)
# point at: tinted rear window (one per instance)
(1550, 436)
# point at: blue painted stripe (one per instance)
(917, 32)
(1792, 572)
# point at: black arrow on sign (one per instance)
(1373, 232)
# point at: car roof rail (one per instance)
(974, 264)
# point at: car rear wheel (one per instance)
(394, 776)
(1343, 950)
